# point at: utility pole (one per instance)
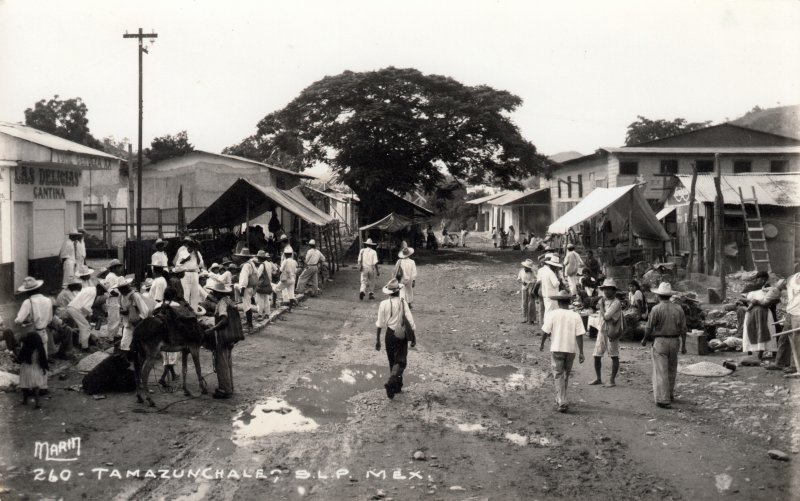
(719, 220)
(140, 36)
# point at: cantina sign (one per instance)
(47, 183)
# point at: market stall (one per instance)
(388, 234)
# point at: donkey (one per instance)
(163, 333)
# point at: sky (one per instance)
(584, 69)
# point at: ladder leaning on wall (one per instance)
(754, 229)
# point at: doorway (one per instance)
(23, 222)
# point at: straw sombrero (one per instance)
(393, 286)
(30, 284)
(405, 252)
(369, 242)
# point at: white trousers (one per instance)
(191, 288)
(263, 303)
(247, 296)
(368, 281)
(407, 292)
(83, 325)
(69, 270)
(573, 284)
(112, 307)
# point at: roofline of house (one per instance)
(731, 124)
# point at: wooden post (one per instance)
(719, 221)
(630, 226)
(690, 217)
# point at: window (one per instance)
(742, 166)
(669, 167)
(704, 166)
(778, 166)
(629, 168)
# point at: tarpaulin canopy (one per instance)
(666, 211)
(246, 199)
(620, 203)
(391, 223)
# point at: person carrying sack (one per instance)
(264, 284)
(395, 316)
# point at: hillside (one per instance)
(783, 120)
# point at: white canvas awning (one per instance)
(620, 203)
(666, 211)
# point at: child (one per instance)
(33, 368)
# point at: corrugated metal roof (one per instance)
(48, 140)
(511, 197)
(748, 150)
(771, 189)
(486, 198)
(262, 164)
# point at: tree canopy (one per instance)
(168, 146)
(399, 129)
(644, 129)
(64, 118)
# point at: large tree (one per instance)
(64, 118)
(399, 129)
(168, 146)
(644, 129)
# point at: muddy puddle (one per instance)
(513, 378)
(274, 415)
(323, 396)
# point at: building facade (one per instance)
(43, 184)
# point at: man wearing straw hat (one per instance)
(572, 263)
(609, 309)
(314, 259)
(288, 275)
(248, 278)
(226, 332)
(566, 328)
(406, 272)
(69, 255)
(390, 317)
(113, 302)
(368, 266)
(81, 307)
(549, 283)
(190, 261)
(159, 257)
(667, 326)
(37, 310)
(527, 278)
(264, 290)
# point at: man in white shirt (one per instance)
(572, 262)
(81, 307)
(266, 269)
(69, 256)
(368, 266)
(527, 278)
(159, 257)
(190, 261)
(248, 277)
(159, 284)
(390, 317)
(135, 309)
(80, 249)
(37, 310)
(566, 328)
(314, 259)
(288, 276)
(113, 303)
(549, 282)
(406, 271)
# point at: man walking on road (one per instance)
(667, 324)
(368, 266)
(610, 310)
(566, 328)
(390, 317)
(406, 272)
(549, 282)
(314, 259)
(248, 278)
(527, 279)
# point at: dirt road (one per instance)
(311, 419)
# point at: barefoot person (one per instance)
(390, 317)
(610, 311)
(226, 332)
(667, 327)
(566, 328)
